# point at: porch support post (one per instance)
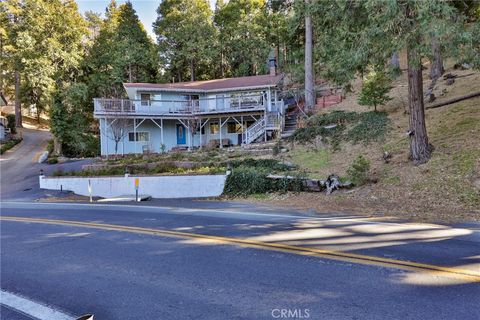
(161, 130)
(243, 128)
(135, 135)
(105, 127)
(269, 100)
(201, 127)
(220, 125)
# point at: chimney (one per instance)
(272, 64)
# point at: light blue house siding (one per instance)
(240, 110)
(154, 143)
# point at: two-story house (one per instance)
(215, 113)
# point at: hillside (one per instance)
(447, 188)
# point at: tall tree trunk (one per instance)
(222, 70)
(436, 67)
(57, 146)
(192, 70)
(129, 73)
(18, 105)
(394, 61)
(309, 85)
(420, 149)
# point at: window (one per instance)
(145, 98)
(233, 127)
(141, 136)
(214, 128)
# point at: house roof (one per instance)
(252, 82)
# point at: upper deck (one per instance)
(193, 107)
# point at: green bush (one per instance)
(358, 171)
(50, 146)
(8, 145)
(87, 146)
(245, 181)
(52, 160)
(11, 123)
(270, 165)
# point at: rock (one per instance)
(387, 156)
(43, 157)
(450, 81)
(431, 97)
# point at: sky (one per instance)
(146, 9)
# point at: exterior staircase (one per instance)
(290, 124)
(255, 131)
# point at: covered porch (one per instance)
(138, 135)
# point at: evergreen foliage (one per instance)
(375, 89)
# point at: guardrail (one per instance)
(195, 106)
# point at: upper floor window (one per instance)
(145, 98)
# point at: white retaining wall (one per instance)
(194, 186)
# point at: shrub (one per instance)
(11, 123)
(8, 145)
(245, 181)
(358, 171)
(270, 165)
(375, 89)
(52, 160)
(50, 146)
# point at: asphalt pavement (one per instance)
(19, 167)
(132, 272)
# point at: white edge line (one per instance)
(31, 308)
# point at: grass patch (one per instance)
(465, 160)
(339, 126)
(4, 146)
(315, 159)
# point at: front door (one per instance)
(181, 136)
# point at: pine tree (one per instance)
(353, 35)
(186, 37)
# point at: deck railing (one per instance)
(195, 106)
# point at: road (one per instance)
(222, 261)
(19, 167)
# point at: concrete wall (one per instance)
(161, 187)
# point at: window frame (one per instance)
(145, 102)
(214, 124)
(132, 134)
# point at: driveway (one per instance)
(19, 167)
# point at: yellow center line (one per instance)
(454, 272)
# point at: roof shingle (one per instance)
(213, 85)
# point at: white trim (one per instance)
(194, 91)
(31, 308)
